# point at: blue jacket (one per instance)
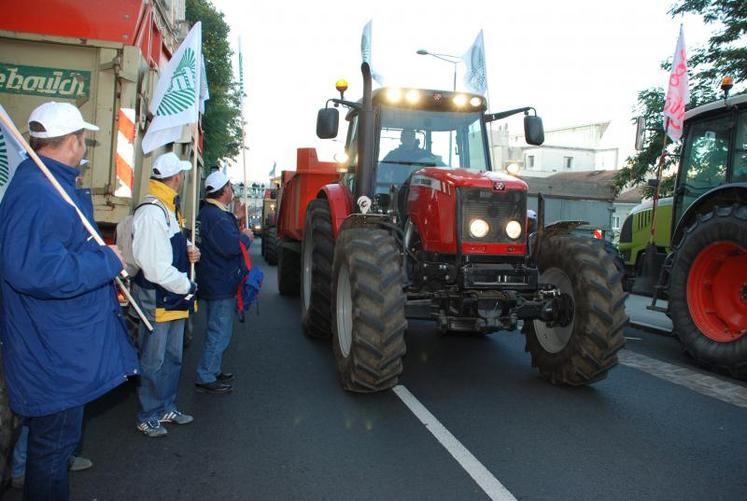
(64, 339)
(221, 265)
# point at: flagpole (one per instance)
(195, 130)
(91, 230)
(658, 182)
(243, 137)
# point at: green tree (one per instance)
(726, 54)
(222, 122)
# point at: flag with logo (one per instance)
(366, 51)
(678, 93)
(176, 101)
(11, 154)
(476, 76)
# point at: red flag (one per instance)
(678, 94)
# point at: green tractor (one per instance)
(701, 239)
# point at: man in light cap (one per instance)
(165, 293)
(63, 338)
(219, 274)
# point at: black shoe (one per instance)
(225, 377)
(214, 387)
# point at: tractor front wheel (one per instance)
(368, 310)
(582, 349)
(708, 290)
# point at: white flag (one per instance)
(476, 77)
(366, 51)
(11, 154)
(678, 93)
(176, 101)
(204, 93)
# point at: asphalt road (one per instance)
(288, 431)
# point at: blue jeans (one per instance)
(18, 466)
(220, 316)
(160, 368)
(51, 441)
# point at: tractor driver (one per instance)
(409, 149)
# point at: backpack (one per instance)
(124, 236)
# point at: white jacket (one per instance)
(151, 248)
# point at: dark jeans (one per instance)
(52, 440)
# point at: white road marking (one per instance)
(701, 383)
(487, 482)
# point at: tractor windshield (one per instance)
(412, 139)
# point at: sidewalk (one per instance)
(635, 306)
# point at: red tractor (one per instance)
(419, 226)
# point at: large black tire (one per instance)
(368, 305)
(583, 351)
(9, 428)
(270, 242)
(289, 271)
(317, 250)
(728, 353)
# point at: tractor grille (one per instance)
(495, 207)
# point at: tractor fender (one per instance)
(721, 195)
(563, 226)
(338, 197)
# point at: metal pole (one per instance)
(451, 133)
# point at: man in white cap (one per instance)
(219, 274)
(64, 341)
(165, 293)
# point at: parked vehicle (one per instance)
(701, 239)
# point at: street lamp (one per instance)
(449, 59)
(443, 57)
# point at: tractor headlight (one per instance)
(479, 228)
(394, 95)
(513, 230)
(460, 100)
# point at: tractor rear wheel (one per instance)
(289, 270)
(708, 290)
(368, 310)
(270, 243)
(585, 349)
(317, 250)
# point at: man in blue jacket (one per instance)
(64, 339)
(219, 273)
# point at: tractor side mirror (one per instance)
(534, 132)
(640, 130)
(327, 123)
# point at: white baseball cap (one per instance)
(215, 182)
(531, 214)
(168, 165)
(58, 119)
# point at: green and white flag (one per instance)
(11, 154)
(176, 101)
(476, 76)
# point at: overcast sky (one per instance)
(575, 61)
